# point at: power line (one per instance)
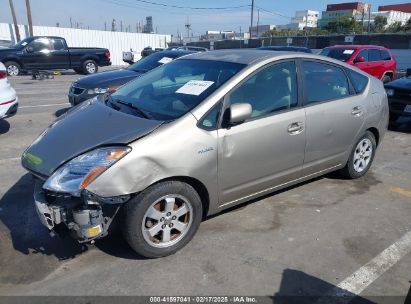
(273, 13)
(190, 7)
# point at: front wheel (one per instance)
(361, 157)
(162, 219)
(90, 67)
(12, 68)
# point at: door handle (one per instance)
(357, 111)
(295, 128)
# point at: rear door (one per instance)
(267, 150)
(334, 115)
(60, 54)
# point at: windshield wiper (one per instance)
(131, 106)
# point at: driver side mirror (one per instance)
(359, 59)
(29, 49)
(239, 112)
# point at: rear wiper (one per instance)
(131, 106)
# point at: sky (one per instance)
(94, 13)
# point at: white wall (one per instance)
(116, 42)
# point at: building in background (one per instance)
(258, 31)
(392, 17)
(305, 19)
(148, 27)
(343, 10)
(405, 8)
(223, 35)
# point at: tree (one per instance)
(379, 23)
(396, 27)
(408, 25)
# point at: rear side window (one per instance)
(358, 81)
(385, 55)
(374, 55)
(323, 82)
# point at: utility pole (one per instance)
(121, 25)
(71, 23)
(252, 18)
(258, 22)
(13, 14)
(188, 27)
(30, 21)
(105, 26)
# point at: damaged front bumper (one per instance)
(87, 218)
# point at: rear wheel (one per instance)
(386, 79)
(162, 219)
(90, 67)
(12, 68)
(361, 157)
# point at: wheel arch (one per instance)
(376, 134)
(197, 185)
(13, 59)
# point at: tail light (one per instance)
(3, 74)
(108, 55)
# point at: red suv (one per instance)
(375, 60)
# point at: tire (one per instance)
(148, 210)
(386, 79)
(353, 169)
(90, 67)
(12, 68)
(78, 70)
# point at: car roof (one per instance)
(244, 56)
(357, 46)
(175, 52)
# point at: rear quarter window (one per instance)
(358, 81)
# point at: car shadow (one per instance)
(28, 235)
(4, 126)
(403, 125)
(299, 287)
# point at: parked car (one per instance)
(399, 97)
(52, 53)
(286, 48)
(149, 50)
(193, 48)
(8, 98)
(107, 82)
(201, 134)
(375, 60)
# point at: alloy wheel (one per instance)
(167, 221)
(362, 155)
(91, 68)
(12, 70)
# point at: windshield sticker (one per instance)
(24, 43)
(195, 87)
(349, 52)
(165, 60)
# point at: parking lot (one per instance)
(307, 240)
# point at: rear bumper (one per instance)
(9, 109)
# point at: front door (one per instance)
(266, 150)
(37, 54)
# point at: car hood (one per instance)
(402, 83)
(107, 79)
(82, 129)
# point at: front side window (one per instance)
(323, 82)
(40, 45)
(58, 44)
(270, 90)
(342, 54)
(363, 53)
(173, 89)
(210, 120)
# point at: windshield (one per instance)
(150, 62)
(342, 54)
(22, 43)
(174, 89)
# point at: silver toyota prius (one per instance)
(198, 135)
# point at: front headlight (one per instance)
(390, 92)
(78, 173)
(97, 91)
